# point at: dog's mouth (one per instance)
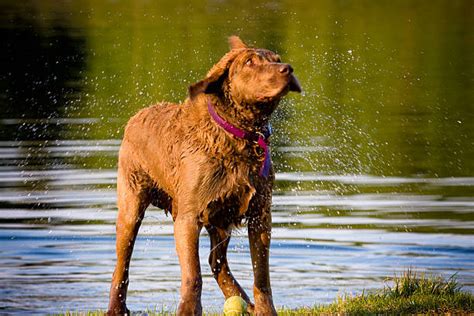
(291, 85)
(294, 84)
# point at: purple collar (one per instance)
(259, 139)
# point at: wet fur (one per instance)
(177, 158)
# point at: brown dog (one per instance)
(207, 163)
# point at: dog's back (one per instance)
(149, 146)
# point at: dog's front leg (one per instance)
(259, 228)
(186, 234)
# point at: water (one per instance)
(374, 163)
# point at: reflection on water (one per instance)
(58, 242)
(374, 164)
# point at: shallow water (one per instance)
(374, 163)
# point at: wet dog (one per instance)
(207, 163)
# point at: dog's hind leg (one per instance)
(132, 200)
(220, 239)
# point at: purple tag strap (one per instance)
(265, 169)
(237, 132)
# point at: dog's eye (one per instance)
(249, 62)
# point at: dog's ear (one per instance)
(208, 85)
(213, 81)
(236, 43)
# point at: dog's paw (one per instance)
(119, 311)
(264, 306)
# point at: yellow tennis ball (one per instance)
(235, 306)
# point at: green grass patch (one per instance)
(409, 293)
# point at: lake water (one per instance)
(375, 168)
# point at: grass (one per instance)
(409, 293)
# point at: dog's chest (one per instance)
(228, 199)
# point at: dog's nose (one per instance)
(286, 69)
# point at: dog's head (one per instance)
(251, 76)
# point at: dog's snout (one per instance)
(286, 69)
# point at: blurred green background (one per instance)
(388, 85)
